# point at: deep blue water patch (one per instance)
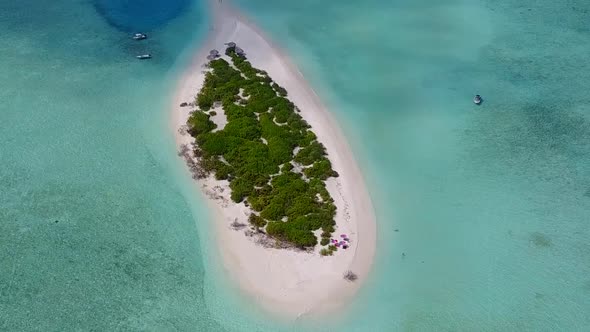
(140, 15)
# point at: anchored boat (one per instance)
(477, 100)
(139, 36)
(144, 56)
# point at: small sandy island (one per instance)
(288, 282)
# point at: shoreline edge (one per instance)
(290, 284)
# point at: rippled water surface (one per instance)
(490, 204)
(95, 233)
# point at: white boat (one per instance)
(477, 100)
(144, 56)
(139, 36)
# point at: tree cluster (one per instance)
(255, 152)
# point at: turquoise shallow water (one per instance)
(94, 230)
(491, 204)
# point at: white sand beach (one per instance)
(285, 282)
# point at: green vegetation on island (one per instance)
(266, 150)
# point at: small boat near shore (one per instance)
(139, 36)
(144, 56)
(477, 100)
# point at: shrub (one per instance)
(275, 210)
(325, 252)
(311, 153)
(199, 123)
(218, 143)
(223, 171)
(271, 129)
(296, 122)
(301, 205)
(281, 115)
(321, 169)
(243, 127)
(328, 229)
(286, 231)
(240, 188)
(279, 150)
(256, 221)
(280, 90)
(307, 139)
(324, 241)
(287, 167)
(258, 203)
